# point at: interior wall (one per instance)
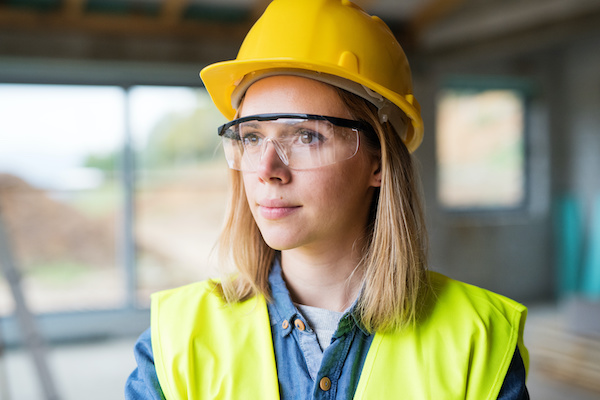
(582, 101)
(85, 58)
(516, 254)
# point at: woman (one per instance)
(331, 298)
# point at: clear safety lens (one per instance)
(302, 141)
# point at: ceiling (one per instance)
(229, 20)
(219, 19)
(157, 33)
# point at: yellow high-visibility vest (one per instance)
(460, 349)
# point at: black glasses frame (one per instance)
(341, 122)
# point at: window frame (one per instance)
(132, 318)
(491, 215)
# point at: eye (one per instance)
(309, 137)
(251, 140)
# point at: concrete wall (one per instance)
(516, 253)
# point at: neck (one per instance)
(328, 280)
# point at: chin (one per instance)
(280, 240)
(280, 245)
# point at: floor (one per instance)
(91, 371)
(98, 370)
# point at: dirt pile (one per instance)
(44, 231)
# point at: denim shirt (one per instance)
(303, 369)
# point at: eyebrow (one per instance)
(251, 124)
(260, 125)
(287, 126)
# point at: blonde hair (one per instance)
(394, 257)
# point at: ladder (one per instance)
(27, 323)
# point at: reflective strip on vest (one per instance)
(461, 348)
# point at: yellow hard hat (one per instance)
(325, 40)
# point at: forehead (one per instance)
(292, 94)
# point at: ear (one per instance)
(376, 171)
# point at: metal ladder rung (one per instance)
(32, 336)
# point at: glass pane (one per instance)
(181, 185)
(61, 206)
(480, 149)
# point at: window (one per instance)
(61, 215)
(481, 146)
(108, 193)
(180, 185)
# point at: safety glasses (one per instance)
(302, 141)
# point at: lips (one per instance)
(276, 209)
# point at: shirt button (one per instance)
(285, 324)
(299, 324)
(325, 384)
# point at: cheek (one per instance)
(340, 189)
(247, 181)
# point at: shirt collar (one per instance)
(350, 318)
(281, 307)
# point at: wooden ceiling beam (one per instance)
(172, 11)
(73, 8)
(116, 25)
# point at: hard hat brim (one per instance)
(221, 79)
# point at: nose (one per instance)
(271, 166)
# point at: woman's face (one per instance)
(318, 209)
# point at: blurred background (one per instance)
(112, 181)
